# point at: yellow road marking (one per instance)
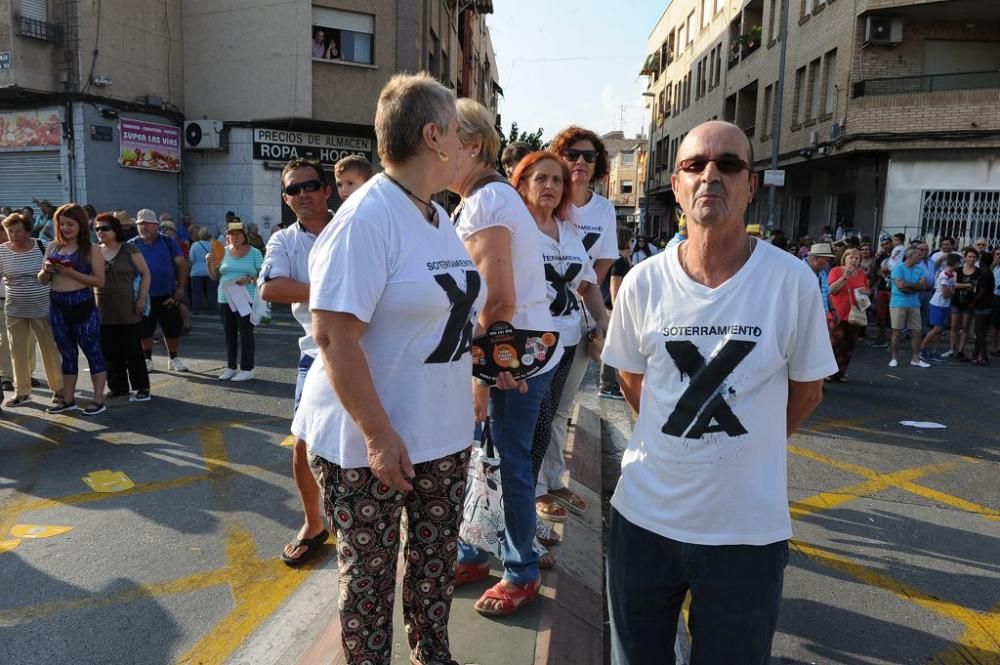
(213, 448)
(38, 530)
(8, 545)
(108, 481)
(830, 425)
(838, 497)
(982, 629)
(950, 500)
(963, 654)
(288, 441)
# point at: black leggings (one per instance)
(543, 426)
(239, 334)
(124, 358)
(982, 335)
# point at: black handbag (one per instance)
(76, 313)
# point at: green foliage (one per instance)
(533, 139)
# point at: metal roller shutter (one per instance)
(27, 175)
(340, 20)
(36, 9)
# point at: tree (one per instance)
(534, 139)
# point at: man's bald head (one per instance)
(718, 126)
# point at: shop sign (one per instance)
(5, 63)
(149, 145)
(279, 145)
(30, 129)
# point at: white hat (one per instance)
(146, 215)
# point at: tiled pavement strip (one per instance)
(261, 586)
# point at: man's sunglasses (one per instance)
(103, 229)
(307, 186)
(572, 155)
(727, 165)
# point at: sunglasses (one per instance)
(727, 165)
(103, 229)
(572, 155)
(310, 186)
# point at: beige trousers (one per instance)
(6, 365)
(21, 333)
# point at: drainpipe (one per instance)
(779, 93)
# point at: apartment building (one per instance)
(194, 105)
(623, 184)
(890, 115)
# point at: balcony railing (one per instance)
(929, 83)
(35, 29)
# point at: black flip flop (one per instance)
(311, 545)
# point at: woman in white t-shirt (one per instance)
(386, 410)
(502, 240)
(541, 179)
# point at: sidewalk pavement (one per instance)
(564, 626)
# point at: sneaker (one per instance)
(112, 394)
(140, 396)
(227, 374)
(937, 357)
(925, 356)
(35, 383)
(545, 535)
(947, 354)
(94, 409)
(879, 345)
(609, 393)
(61, 408)
(919, 363)
(149, 364)
(893, 363)
(176, 365)
(243, 375)
(7, 385)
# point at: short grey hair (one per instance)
(476, 122)
(406, 104)
(910, 252)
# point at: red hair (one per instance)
(527, 165)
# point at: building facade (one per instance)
(623, 185)
(193, 106)
(890, 113)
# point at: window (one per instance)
(815, 90)
(773, 20)
(626, 187)
(706, 12)
(37, 10)
(681, 38)
(700, 86)
(628, 158)
(433, 62)
(668, 105)
(340, 35)
(830, 78)
(799, 103)
(765, 120)
(711, 69)
(690, 29)
(811, 7)
(718, 65)
(719, 5)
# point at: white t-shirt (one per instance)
(418, 290)
(288, 256)
(942, 280)
(596, 219)
(896, 257)
(706, 463)
(567, 264)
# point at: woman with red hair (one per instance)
(543, 179)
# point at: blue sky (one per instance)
(568, 62)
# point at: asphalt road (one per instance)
(896, 552)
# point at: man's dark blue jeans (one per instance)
(735, 594)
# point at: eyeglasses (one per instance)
(572, 155)
(310, 186)
(103, 229)
(727, 165)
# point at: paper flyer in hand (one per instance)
(504, 348)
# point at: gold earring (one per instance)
(442, 156)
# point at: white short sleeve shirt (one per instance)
(706, 463)
(419, 292)
(288, 256)
(596, 220)
(567, 265)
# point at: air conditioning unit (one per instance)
(813, 137)
(883, 30)
(203, 135)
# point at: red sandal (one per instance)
(511, 596)
(465, 573)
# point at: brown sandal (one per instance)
(572, 502)
(547, 560)
(547, 508)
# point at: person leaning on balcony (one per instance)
(387, 415)
(26, 307)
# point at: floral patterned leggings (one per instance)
(366, 515)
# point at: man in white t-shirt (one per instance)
(898, 248)
(284, 278)
(722, 348)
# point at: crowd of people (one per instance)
(390, 293)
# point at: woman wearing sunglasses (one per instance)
(121, 305)
(584, 154)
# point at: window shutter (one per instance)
(341, 20)
(35, 9)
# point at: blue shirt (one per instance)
(824, 285)
(233, 268)
(199, 250)
(160, 255)
(910, 275)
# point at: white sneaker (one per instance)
(176, 365)
(243, 375)
(893, 363)
(227, 374)
(919, 363)
(149, 364)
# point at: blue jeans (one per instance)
(735, 594)
(305, 362)
(512, 423)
